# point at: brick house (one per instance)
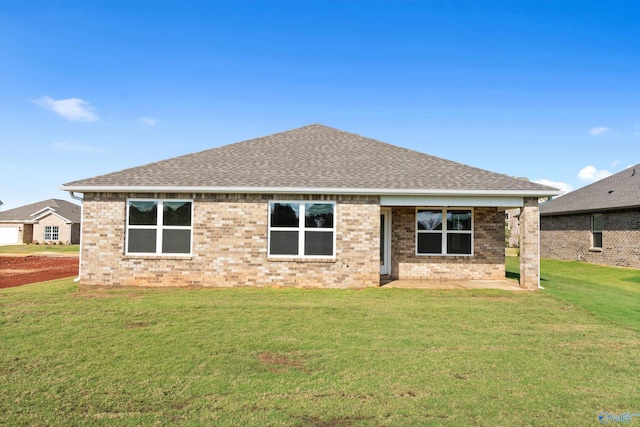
(48, 221)
(599, 223)
(310, 207)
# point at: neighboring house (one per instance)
(310, 207)
(48, 221)
(599, 223)
(512, 224)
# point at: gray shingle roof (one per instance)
(618, 191)
(67, 210)
(313, 156)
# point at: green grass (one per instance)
(32, 249)
(290, 357)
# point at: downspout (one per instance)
(81, 200)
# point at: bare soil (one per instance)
(22, 270)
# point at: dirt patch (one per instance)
(22, 270)
(278, 362)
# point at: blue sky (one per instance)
(547, 90)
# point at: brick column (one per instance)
(530, 244)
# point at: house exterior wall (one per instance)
(64, 234)
(568, 237)
(229, 246)
(487, 262)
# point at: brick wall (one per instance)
(530, 244)
(568, 237)
(64, 230)
(487, 263)
(230, 245)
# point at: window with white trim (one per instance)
(302, 229)
(596, 231)
(51, 232)
(160, 227)
(444, 231)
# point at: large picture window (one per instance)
(159, 226)
(302, 229)
(444, 231)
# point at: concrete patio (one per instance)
(505, 285)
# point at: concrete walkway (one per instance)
(505, 285)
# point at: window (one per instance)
(444, 232)
(301, 229)
(596, 231)
(51, 232)
(159, 226)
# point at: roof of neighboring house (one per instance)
(313, 157)
(619, 191)
(32, 212)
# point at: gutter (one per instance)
(306, 190)
(81, 200)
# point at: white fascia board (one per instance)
(305, 190)
(44, 214)
(47, 209)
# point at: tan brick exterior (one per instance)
(530, 244)
(487, 262)
(568, 237)
(230, 246)
(66, 233)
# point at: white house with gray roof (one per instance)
(599, 223)
(310, 207)
(47, 221)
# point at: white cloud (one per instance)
(591, 174)
(149, 121)
(615, 163)
(562, 186)
(72, 109)
(599, 131)
(75, 147)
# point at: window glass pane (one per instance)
(176, 241)
(429, 220)
(318, 243)
(142, 241)
(458, 220)
(283, 243)
(596, 222)
(318, 215)
(176, 213)
(143, 213)
(285, 215)
(458, 243)
(597, 239)
(429, 243)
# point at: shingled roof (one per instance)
(31, 212)
(619, 191)
(310, 158)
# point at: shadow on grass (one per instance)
(513, 275)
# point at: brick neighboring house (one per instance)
(310, 207)
(599, 223)
(48, 221)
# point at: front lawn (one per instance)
(271, 357)
(33, 249)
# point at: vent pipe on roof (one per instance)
(634, 172)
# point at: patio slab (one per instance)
(505, 285)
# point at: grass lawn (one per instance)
(290, 357)
(33, 249)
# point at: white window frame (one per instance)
(594, 230)
(301, 229)
(444, 232)
(159, 227)
(53, 231)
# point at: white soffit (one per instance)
(466, 201)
